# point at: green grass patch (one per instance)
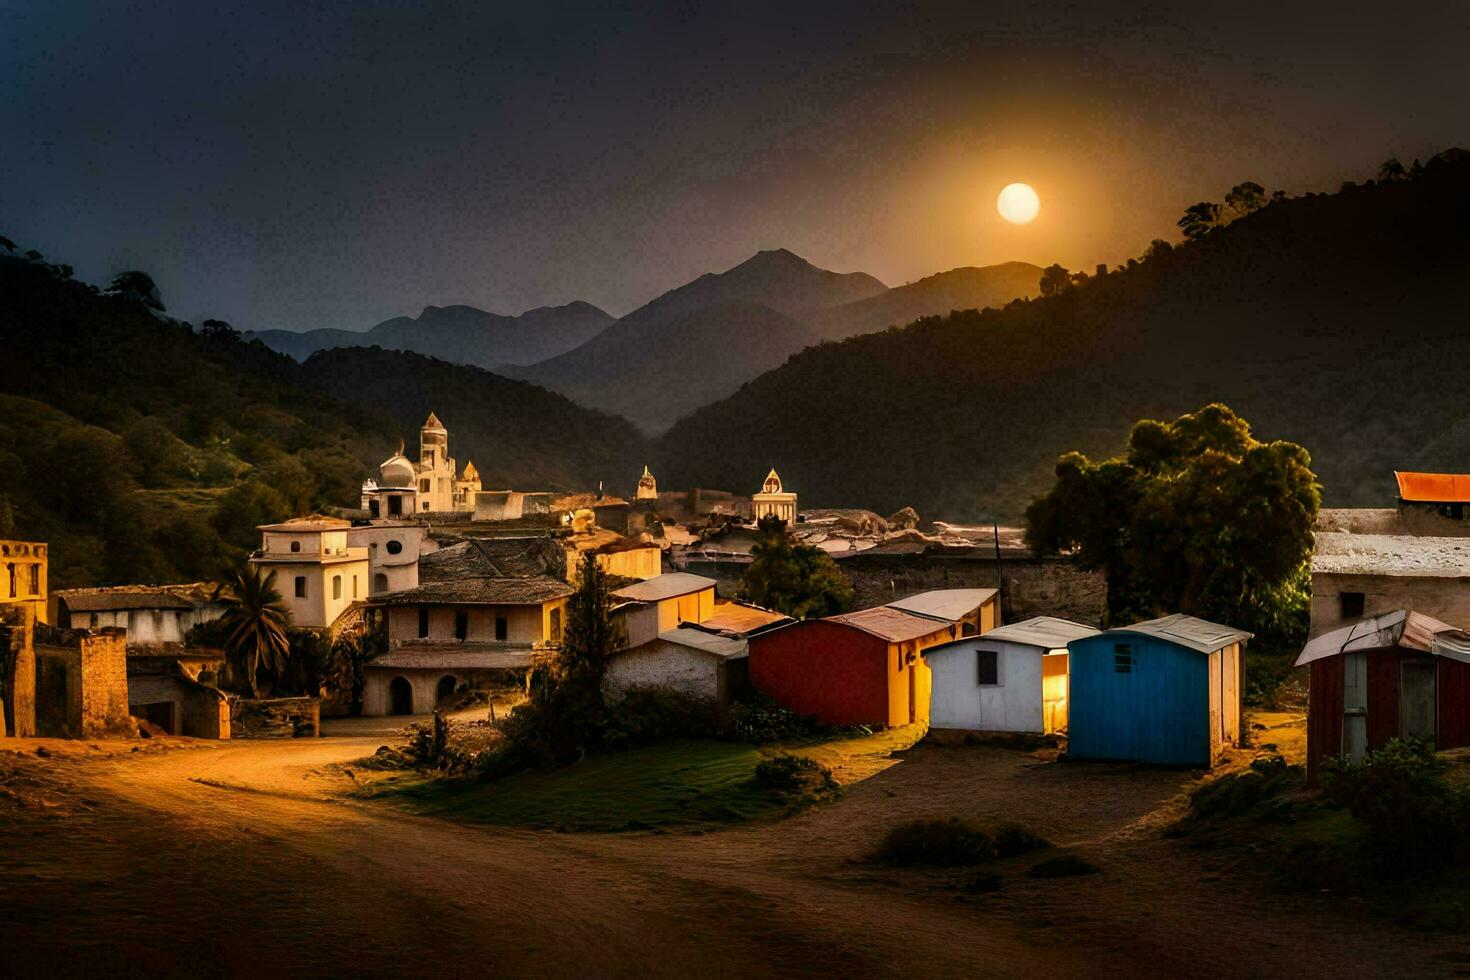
(669, 784)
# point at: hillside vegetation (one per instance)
(1335, 321)
(145, 451)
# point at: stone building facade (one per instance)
(81, 683)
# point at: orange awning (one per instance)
(1434, 488)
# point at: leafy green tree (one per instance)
(1055, 280)
(799, 580)
(1245, 198)
(259, 625)
(1198, 517)
(1199, 219)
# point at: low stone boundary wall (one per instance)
(275, 718)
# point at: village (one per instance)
(957, 639)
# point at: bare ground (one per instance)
(236, 858)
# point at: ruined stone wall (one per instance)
(275, 718)
(81, 683)
(17, 671)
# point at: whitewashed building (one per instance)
(393, 552)
(317, 573)
(153, 615)
(1011, 679)
(689, 661)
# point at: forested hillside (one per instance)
(144, 451)
(1336, 321)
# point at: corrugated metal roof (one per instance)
(949, 605)
(721, 646)
(739, 617)
(670, 585)
(1188, 631)
(889, 624)
(1400, 628)
(1434, 488)
(1046, 632)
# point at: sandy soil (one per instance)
(237, 858)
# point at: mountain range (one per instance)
(1335, 321)
(704, 340)
(462, 334)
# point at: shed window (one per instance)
(1123, 658)
(423, 622)
(502, 628)
(1351, 604)
(987, 667)
(461, 625)
(301, 586)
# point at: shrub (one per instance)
(1062, 866)
(1413, 820)
(757, 718)
(793, 774)
(1010, 839)
(649, 714)
(947, 843)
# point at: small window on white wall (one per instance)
(987, 668)
(295, 545)
(336, 586)
(301, 586)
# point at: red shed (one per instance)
(1398, 674)
(861, 668)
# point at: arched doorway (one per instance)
(445, 691)
(400, 697)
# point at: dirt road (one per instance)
(236, 858)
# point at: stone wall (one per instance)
(1029, 586)
(275, 718)
(17, 671)
(81, 683)
(1446, 598)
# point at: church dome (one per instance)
(396, 471)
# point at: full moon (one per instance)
(1018, 203)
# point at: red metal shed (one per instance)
(860, 668)
(1396, 675)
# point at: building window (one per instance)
(556, 625)
(373, 508)
(1455, 512)
(12, 593)
(295, 545)
(354, 586)
(1123, 658)
(502, 628)
(424, 486)
(336, 586)
(395, 506)
(301, 586)
(1351, 604)
(35, 580)
(987, 666)
(429, 460)
(423, 622)
(461, 625)
(93, 620)
(380, 582)
(394, 547)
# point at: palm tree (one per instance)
(257, 619)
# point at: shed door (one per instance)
(1354, 706)
(1416, 708)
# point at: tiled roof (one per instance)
(137, 597)
(524, 557)
(483, 591)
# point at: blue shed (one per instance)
(1167, 691)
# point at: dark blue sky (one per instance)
(333, 164)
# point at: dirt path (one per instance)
(236, 858)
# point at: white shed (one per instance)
(1012, 679)
(689, 661)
